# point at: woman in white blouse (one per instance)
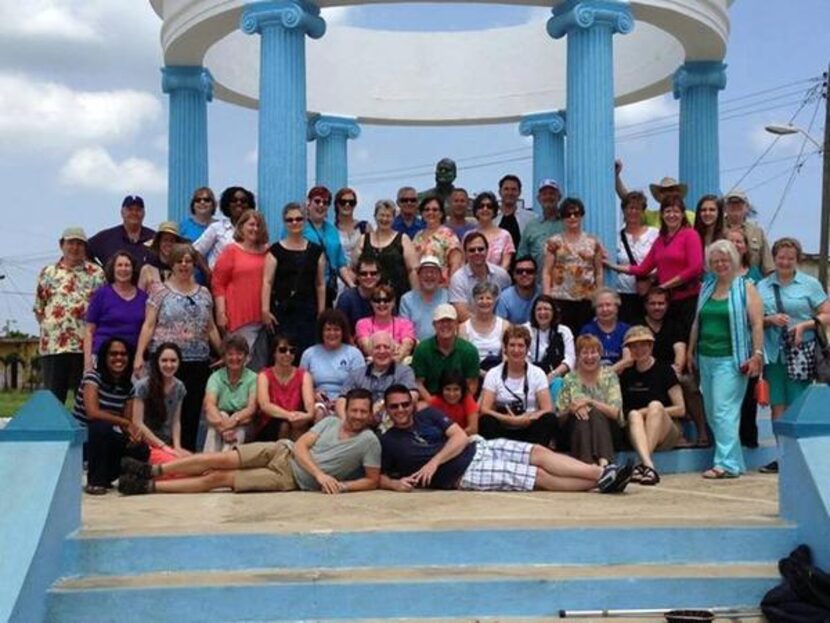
(633, 244)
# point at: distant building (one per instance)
(18, 358)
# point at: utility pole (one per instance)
(824, 243)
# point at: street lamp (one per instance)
(824, 238)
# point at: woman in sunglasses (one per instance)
(499, 241)
(350, 229)
(436, 239)
(573, 267)
(285, 395)
(233, 202)
(401, 329)
(293, 283)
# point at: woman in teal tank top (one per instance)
(726, 345)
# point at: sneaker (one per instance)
(132, 484)
(615, 478)
(770, 468)
(132, 466)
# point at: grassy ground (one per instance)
(10, 402)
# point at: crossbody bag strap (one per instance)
(627, 247)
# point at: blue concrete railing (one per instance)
(804, 485)
(40, 468)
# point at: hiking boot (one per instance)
(137, 468)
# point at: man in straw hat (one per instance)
(736, 210)
(663, 189)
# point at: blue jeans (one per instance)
(723, 387)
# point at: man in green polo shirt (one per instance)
(444, 351)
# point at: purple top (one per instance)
(115, 317)
(106, 243)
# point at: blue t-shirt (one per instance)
(405, 451)
(354, 306)
(330, 368)
(513, 308)
(419, 312)
(612, 343)
(418, 224)
(190, 229)
(328, 237)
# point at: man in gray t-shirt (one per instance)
(335, 456)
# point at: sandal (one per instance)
(637, 474)
(649, 477)
(95, 490)
(718, 474)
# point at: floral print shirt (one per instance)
(183, 319)
(61, 300)
(607, 390)
(574, 277)
(438, 243)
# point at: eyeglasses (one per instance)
(117, 353)
(571, 215)
(347, 202)
(203, 200)
(380, 301)
(488, 206)
(525, 271)
(294, 219)
(432, 209)
(368, 273)
(243, 200)
(476, 249)
(282, 350)
(321, 201)
(396, 406)
(408, 200)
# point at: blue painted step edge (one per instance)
(588, 546)
(323, 600)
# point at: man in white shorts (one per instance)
(426, 449)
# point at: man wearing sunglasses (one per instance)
(476, 270)
(515, 302)
(407, 220)
(356, 302)
(130, 235)
(426, 449)
(335, 456)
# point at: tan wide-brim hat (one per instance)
(667, 183)
(638, 333)
(165, 227)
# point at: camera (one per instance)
(516, 407)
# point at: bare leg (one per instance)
(201, 484)
(548, 482)
(638, 437)
(198, 464)
(563, 466)
(658, 425)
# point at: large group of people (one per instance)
(455, 343)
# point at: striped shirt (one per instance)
(112, 398)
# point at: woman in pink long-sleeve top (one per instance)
(677, 256)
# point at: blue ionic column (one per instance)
(190, 89)
(696, 85)
(548, 132)
(332, 134)
(282, 27)
(589, 165)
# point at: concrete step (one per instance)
(392, 592)
(131, 555)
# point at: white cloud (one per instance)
(655, 109)
(46, 19)
(94, 168)
(34, 115)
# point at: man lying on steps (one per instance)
(335, 456)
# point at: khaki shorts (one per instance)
(672, 437)
(264, 467)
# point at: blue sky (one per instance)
(83, 122)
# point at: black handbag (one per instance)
(800, 358)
